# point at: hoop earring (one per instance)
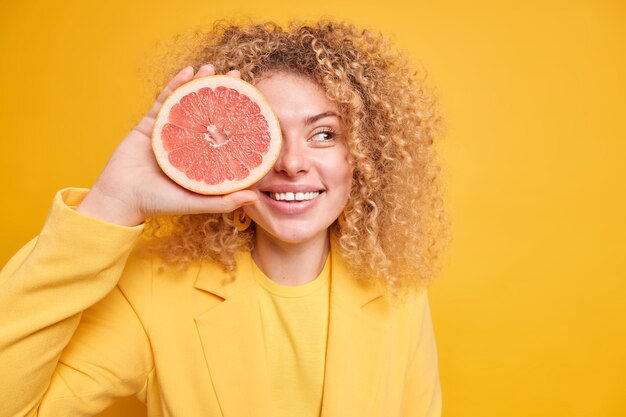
(241, 220)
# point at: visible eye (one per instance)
(323, 137)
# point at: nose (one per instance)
(292, 159)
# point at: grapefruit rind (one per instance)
(227, 186)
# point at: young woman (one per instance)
(300, 296)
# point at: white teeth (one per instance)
(289, 196)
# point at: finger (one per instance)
(220, 204)
(185, 75)
(234, 73)
(242, 198)
(145, 126)
(205, 71)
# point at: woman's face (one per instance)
(308, 187)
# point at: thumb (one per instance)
(242, 198)
(195, 203)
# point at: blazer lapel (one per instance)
(232, 342)
(356, 349)
(230, 334)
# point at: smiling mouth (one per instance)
(293, 197)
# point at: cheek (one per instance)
(342, 175)
(348, 169)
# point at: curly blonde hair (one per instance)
(394, 226)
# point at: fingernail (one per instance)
(249, 203)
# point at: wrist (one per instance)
(109, 209)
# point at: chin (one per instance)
(294, 233)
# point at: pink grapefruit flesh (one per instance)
(216, 135)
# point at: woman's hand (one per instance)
(132, 186)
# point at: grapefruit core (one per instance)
(216, 135)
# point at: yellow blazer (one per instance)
(84, 320)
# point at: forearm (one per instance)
(75, 262)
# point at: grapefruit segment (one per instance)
(216, 135)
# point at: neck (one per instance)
(290, 263)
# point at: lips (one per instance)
(294, 196)
(291, 198)
(292, 192)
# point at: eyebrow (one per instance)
(312, 119)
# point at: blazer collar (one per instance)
(230, 333)
(344, 285)
(357, 344)
(214, 280)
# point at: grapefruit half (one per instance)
(216, 135)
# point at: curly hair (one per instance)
(394, 226)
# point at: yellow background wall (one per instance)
(530, 311)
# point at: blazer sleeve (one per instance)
(70, 342)
(422, 392)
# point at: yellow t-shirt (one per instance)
(295, 331)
